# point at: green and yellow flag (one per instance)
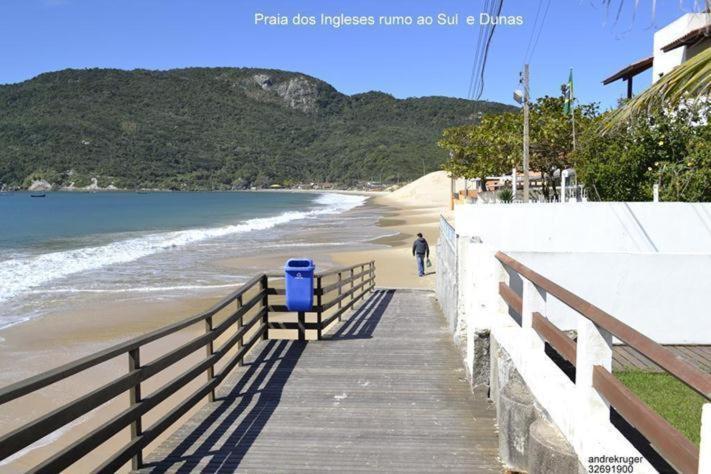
(569, 96)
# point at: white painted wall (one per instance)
(663, 227)
(665, 62)
(647, 264)
(663, 296)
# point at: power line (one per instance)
(540, 30)
(486, 52)
(533, 30)
(486, 5)
(530, 53)
(483, 46)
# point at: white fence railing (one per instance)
(581, 406)
(447, 285)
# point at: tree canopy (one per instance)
(494, 146)
(671, 149)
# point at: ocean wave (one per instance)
(19, 275)
(135, 289)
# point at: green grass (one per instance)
(669, 397)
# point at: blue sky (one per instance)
(45, 35)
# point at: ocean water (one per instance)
(159, 244)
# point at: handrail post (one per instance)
(594, 347)
(209, 349)
(265, 304)
(319, 314)
(240, 323)
(705, 447)
(362, 280)
(134, 363)
(301, 323)
(352, 285)
(340, 294)
(372, 275)
(533, 301)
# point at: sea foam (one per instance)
(18, 275)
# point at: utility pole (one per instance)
(525, 81)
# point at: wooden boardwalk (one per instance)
(386, 391)
(626, 358)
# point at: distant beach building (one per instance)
(674, 44)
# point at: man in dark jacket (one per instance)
(421, 251)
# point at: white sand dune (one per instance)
(432, 189)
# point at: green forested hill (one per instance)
(215, 128)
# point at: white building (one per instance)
(674, 44)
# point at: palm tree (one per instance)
(688, 82)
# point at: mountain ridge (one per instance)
(215, 128)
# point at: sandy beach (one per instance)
(413, 209)
(44, 343)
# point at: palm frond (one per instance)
(687, 82)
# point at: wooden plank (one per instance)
(691, 356)
(510, 297)
(334, 286)
(665, 358)
(645, 362)
(626, 358)
(338, 299)
(384, 394)
(560, 341)
(704, 352)
(293, 325)
(672, 445)
(631, 362)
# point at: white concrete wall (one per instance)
(665, 62)
(660, 295)
(648, 264)
(446, 277)
(590, 226)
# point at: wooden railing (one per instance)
(240, 329)
(335, 292)
(670, 443)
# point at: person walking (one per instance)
(421, 251)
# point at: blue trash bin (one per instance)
(299, 277)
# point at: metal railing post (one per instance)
(319, 313)
(209, 350)
(134, 363)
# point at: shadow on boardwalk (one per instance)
(363, 322)
(219, 440)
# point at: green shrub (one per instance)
(506, 195)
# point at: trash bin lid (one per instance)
(300, 264)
